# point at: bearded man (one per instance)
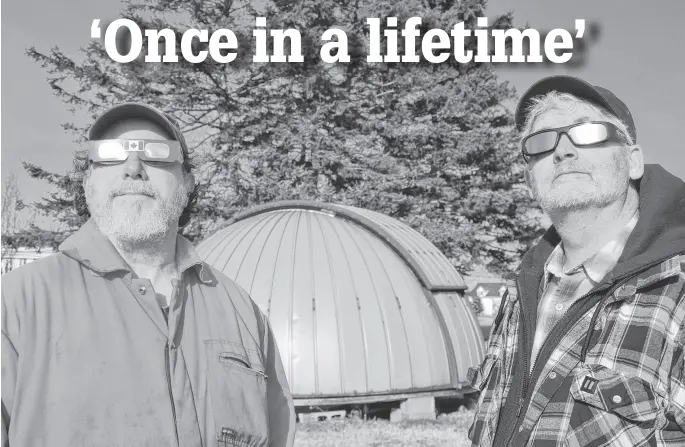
(587, 347)
(125, 337)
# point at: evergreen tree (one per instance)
(430, 144)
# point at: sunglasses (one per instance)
(581, 135)
(118, 151)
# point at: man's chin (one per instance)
(573, 201)
(133, 229)
(137, 239)
(565, 204)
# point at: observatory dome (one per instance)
(363, 308)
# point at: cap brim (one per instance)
(130, 110)
(562, 84)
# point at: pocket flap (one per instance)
(627, 396)
(233, 353)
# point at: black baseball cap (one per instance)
(137, 110)
(581, 89)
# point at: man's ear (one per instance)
(636, 162)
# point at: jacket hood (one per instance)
(659, 233)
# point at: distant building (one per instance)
(12, 259)
(490, 294)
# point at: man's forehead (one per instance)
(556, 117)
(135, 128)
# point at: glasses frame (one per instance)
(613, 134)
(175, 151)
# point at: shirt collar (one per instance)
(92, 249)
(599, 264)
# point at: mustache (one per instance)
(569, 167)
(137, 187)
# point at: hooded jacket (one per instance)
(611, 372)
(88, 358)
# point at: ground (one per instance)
(449, 430)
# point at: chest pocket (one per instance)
(608, 403)
(237, 388)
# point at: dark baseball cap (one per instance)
(137, 110)
(581, 89)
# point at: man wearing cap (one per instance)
(587, 346)
(125, 337)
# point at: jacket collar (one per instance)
(93, 250)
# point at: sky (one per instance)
(639, 54)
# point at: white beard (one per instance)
(126, 221)
(607, 185)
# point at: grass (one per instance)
(449, 430)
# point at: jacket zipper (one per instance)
(523, 398)
(529, 372)
(171, 394)
(524, 391)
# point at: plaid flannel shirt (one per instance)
(628, 391)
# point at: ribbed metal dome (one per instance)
(360, 304)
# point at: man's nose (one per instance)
(565, 149)
(134, 168)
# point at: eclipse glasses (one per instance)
(118, 151)
(581, 135)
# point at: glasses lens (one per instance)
(588, 134)
(157, 150)
(541, 142)
(111, 150)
